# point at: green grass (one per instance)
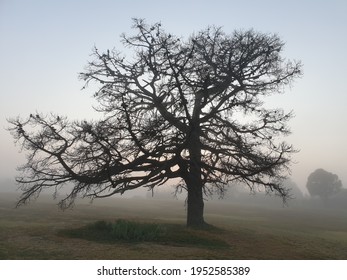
(154, 229)
(131, 231)
(120, 230)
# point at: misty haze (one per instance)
(204, 138)
(248, 227)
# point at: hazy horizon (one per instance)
(46, 44)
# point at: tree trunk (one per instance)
(195, 201)
(195, 209)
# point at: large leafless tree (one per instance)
(189, 109)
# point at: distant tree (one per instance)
(189, 109)
(323, 184)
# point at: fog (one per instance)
(233, 195)
(41, 56)
(256, 226)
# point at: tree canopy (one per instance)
(190, 109)
(323, 184)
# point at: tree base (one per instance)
(202, 225)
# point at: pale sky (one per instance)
(45, 44)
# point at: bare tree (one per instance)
(189, 109)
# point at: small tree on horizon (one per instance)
(323, 184)
(188, 109)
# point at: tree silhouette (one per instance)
(189, 109)
(323, 184)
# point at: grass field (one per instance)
(41, 231)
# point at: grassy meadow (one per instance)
(41, 231)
